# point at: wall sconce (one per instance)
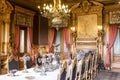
(100, 31)
(100, 34)
(99, 27)
(72, 29)
(74, 33)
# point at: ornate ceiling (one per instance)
(32, 4)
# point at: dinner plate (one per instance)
(29, 77)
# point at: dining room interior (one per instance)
(59, 39)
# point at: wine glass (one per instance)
(43, 66)
(25, 59)
(49, 67)
(43, 71)
(13, 71)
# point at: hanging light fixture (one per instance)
(57, 13)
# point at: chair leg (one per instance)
(91, 74)
(86, 75)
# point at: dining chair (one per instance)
(81, 68)
(88, 64)
(95, 66)
(13, 65)
(0, 67)
(38, 60)
(63, 72)
(29, 63)
(74, 69)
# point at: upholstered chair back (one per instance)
(29, 63)
(13, 64)
(74, 69)
(39, 60)
(63, 72)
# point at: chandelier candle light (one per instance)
(57, 13)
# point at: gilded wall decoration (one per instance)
(87, 16)
(114, 17)
(87, 26)
(3, 6)
(85, 6)
(24, 20)
(5, 10)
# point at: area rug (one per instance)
(107, 75)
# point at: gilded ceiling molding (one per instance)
(75, 6)
(86, 7)
(112, 8)
(19, 9)
(97, 3)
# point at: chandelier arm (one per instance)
(59, 3)
(55, 4)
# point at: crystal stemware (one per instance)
(43, 72)
(13, 71)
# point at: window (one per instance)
(58, 40)
(117, 44)
(22, 41)
(58, 37)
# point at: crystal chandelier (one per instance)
(57, 14)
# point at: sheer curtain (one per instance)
(51, 38)
(29, 41)
(17, 31)
(66, 34)
(112, 35)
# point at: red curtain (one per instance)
(17, 31)
(51, 38)
(29, 35)
(66, 34)
(112, 35)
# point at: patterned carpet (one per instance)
(106, 75)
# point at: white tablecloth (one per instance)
(21, 76)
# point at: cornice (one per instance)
(112, 8)
(19, 9)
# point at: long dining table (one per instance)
(31, 75)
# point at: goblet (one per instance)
(43, 66)
(43, 71)
(25, 59)
(13, 71)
